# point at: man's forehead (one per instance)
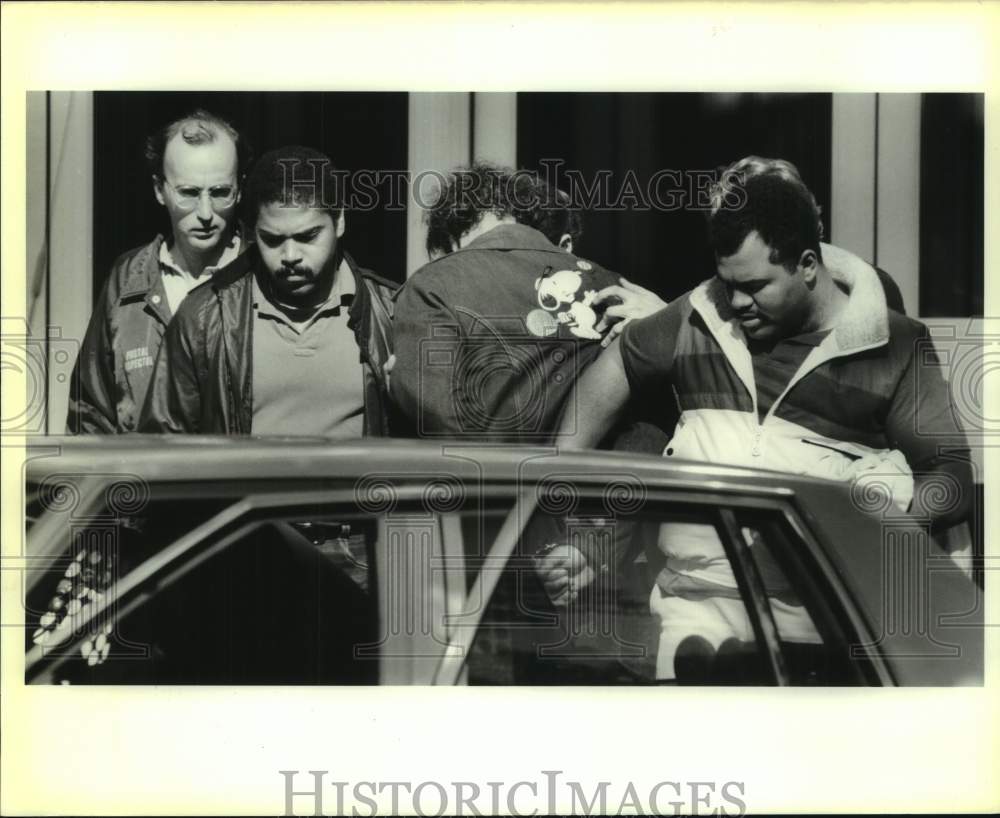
(278, 218)
(751, 260)
(215, 158)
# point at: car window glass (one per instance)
(812, 652)
(267, 598)
(612, 633)
(99, 546)
(664, 607)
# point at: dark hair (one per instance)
(290, 175)
(553, 214)
(469, 193)
(767, 196)
(200, 127)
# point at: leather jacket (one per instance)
(202, 380)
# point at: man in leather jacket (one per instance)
(290, 339)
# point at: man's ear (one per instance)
(809, 266)
(340, 224)
(158, 190)
(566, 242)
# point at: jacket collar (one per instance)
(229, 254)
(511, 237)
(863, 324)
(143, 271)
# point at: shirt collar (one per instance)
(168, 265)
(511, 237)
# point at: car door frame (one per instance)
(401, 655)
(841, 615)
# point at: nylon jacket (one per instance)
(112, 371)
(872, 384)
(490, 338)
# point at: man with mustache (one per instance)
(292, 338)
(197, 163)
(789, 359)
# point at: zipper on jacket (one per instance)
(234, 418)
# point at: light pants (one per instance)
(717, 619)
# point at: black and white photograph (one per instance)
(549, 392)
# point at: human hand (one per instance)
(564, 572)
(636, 302)
(390, 362)
(885, 473)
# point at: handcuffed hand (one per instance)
(390, 362)
(564, 573)
(636, 302)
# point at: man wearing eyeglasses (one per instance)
(196, 163)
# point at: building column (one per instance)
(494, 131)
(897, 217)
(875, 196)
(851, 221)
(447, 130)
(70, 241)
(439, 140)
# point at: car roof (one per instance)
(852, 542)
(171, 457)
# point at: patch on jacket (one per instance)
(137, 358)
(557, 294)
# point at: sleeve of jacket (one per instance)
(92, 406)
(427, 341)
(381, 336)
(923, 424)
(173, 402)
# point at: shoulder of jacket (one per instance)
(385, 285)
(200, 303)
(904, 329)
(435, 276)
(137, 254)
(234, 272)
(904, 334)
(142, 260)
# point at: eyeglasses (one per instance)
(187, 197)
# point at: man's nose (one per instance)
(739, 301)
(290, 254)
(204, 211)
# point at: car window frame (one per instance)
(394, 655)
(716, 498)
